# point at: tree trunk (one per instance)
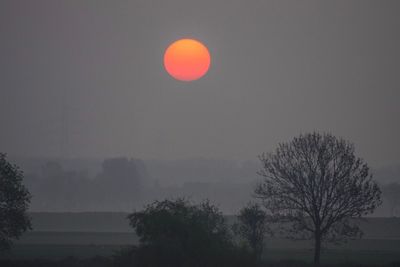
(317, 249)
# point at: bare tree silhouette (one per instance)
(316, 184)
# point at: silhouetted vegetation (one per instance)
(179, 233)
(120, 184)
(14, 201)
(117, 186)
(314, 185)
(252, 226)
(85, 185)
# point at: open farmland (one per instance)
(85, 235)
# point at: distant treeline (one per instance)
(122, 184)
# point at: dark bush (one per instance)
(179, 233)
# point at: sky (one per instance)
(86, 78)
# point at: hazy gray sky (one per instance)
(85, 78)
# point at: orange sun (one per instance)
(187, 60)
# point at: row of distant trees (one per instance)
(312, 187)
(122, 184)
(118, 186)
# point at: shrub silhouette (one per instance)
(252, 226)
(14, 201)
(179, 233)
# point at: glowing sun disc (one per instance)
(187, 60)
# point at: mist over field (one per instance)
(186, 133)
(122, 184)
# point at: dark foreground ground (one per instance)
(108, 262)
(91, 239)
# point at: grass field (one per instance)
(54, 252)
(58, 239)
(59, 245)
